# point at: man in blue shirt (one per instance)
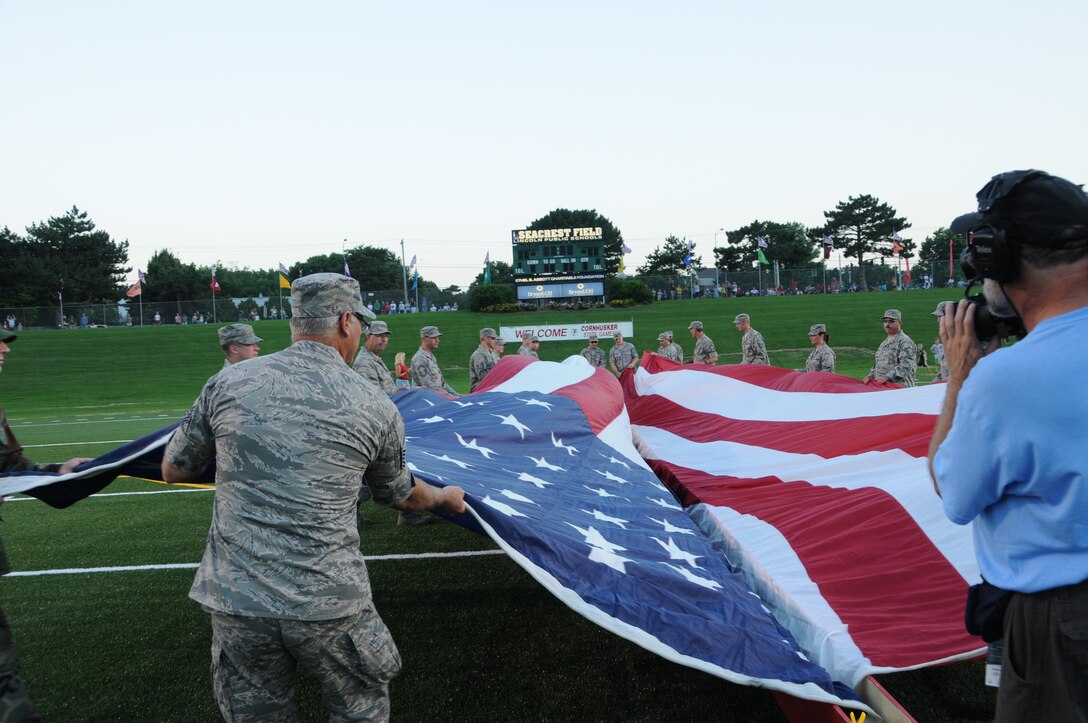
(1008, 450)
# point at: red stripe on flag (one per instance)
(855, 544)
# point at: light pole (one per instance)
(717, 279)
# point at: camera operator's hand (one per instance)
(962, 349)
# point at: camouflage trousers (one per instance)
(254, 662)
(15, 703)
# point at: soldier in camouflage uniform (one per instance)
(704, 353)
(500, 347)
(622, 354)
(666, 349)
(529, 346)
(821, 358)
(677, 350)
(942, 373)
(896, 356)
(752, 348)
(593, 352)
(483, 359)
(425, 367)
(291, 435)
(15, 703)
(369, 361)
(238, 343)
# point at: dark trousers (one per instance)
(1044, 670)
(15, 703)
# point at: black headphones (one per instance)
(991, 253)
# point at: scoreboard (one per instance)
(558, 255)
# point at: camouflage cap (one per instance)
(696, 325)
(741, 318)
(488, 332)
(531, 338)
(6, 335)
(669, 334)
(892, 314)
(322, 295)
(499, 341)
(377, 327)
(592, 337)
(817, 329)
(238, 334)
(939, 311)
(663, 336)
(617, 334)
(429, 332)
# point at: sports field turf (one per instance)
(480, 639)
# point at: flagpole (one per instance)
(404, 272)
(950, 257)
(141, 304)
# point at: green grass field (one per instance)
(480, 639)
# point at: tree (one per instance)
(501, 273)
(168, 279)
(376, 269)
(630, 289)
(487, 296)
(92, 265)
(934, 253)
(21, 277)
(565, 218)
(787, 243)
(864, 225)
(669, 258)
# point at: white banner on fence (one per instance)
(569, 332)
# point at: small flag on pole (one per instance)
(215, 284)
(415, 279)
(283, 270)
(347, 271)
(763, 259)
(762, 241)
(829, 244)
(413, 264)
(140, 273)
(134, 291)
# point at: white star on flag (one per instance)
(473, 446)
(511, 420)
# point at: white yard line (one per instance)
(78, 444)
(194, 565)
(125, 494)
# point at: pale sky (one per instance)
(258, 133)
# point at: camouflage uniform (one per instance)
(594, 355)
(291, 435)
(480, 363)
(896, 358)
(524, 350)
(623, 355)
(427, 374)
(753, 350)
(704, 351)
(821, 359)
(15, 703)
(668, 351)
(373, 369)
(677, 351)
